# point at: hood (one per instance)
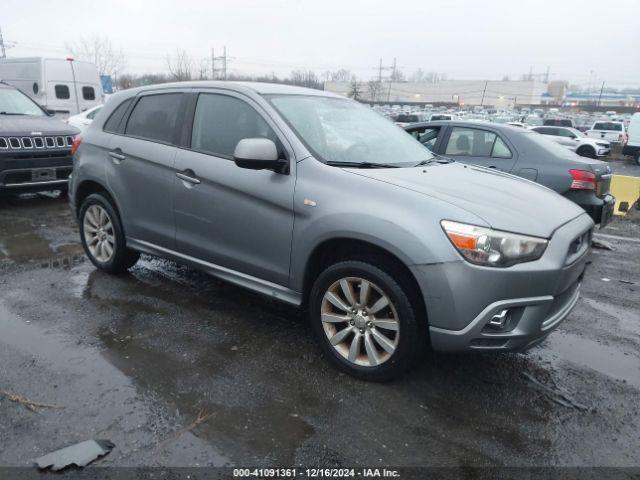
(29, 125)
(503, 201)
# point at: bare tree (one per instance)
(342, 75)
(305, 78)
(99, 50)
(374, 90)
(181, 66)
(355, 89)
(417, 76)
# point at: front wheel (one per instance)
(638, 157)
(364, 320)
(102, 236)
(586, 152)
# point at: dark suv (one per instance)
(35, 149)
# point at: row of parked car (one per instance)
(451, 235)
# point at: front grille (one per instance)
(26, 176)
(27, 143)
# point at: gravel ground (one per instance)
(138, 358)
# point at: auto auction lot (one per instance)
(177, 368)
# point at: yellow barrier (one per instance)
(626, 190)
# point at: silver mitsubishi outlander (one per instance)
(316, 200)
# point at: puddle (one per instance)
(604, 359)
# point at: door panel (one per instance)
(233, 217)
(140, 174)
(236, 218)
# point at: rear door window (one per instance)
(154, 117)
(62, 92)
(471, 142)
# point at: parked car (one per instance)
(408, 118)
(34, 147)
(84, 119)
(613, 132)
(391, 250)
(527, 154)
(576, 141)
(62, 86)
(632, 147)
(441, 116)
(558, 122)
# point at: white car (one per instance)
(576, 141)
(84, 119)
(632, 147)
(613, 132)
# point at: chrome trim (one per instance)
(252, 283)
(24, 144)
(50, 142)
(187, 178)
(60, 142)
(35, 142)
(6, 144)
(32, 184)
(69, 140)
(560, 315)
(13, 147)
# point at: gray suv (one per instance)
(316, 200)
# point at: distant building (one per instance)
(500, 94)
(574, 99)
(557, 89)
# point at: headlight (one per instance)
(493, 248)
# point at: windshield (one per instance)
(14, 102)
(576, 132)
(342, 131)
(617, 127)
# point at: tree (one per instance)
(355, 89)
(417, 76)
(101, 52)
(180, 66)
(304, 78)
(374, 90)
(341, 75)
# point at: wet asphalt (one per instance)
(179, 369)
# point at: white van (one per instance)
(64, 86)
(632, 147)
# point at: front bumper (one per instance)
(461, 298)
(34, 170)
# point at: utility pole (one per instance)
(391, 78)
(483, 92)
(600, 96)
(3, 52)
(213, 65)
(546, 76)
(379, 72)
(224, 63)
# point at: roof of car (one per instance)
(257, 87)
(461, 123)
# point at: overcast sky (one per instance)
(466, 39)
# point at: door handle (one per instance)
(187, 178)
(492, 166)
(116, 156)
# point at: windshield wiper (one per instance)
(11, 113)
(363, 164)
(435, 159)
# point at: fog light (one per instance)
(499, 320)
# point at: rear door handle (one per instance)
(187, 177)
(117, 156)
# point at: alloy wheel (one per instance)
(98, 233)
(360, 321)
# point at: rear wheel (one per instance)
(102, 236)
(364, 321)
(586, 152)
(638, 157)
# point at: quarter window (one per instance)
(500, 149)
(112, 124)
(221, 121)
(88, 93)
(62, 92)
(154, 117)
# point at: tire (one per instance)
(329, 321)
(638, 157)
(586, 152)
(116, 259)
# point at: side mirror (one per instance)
(258, 154)
(50, 112)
